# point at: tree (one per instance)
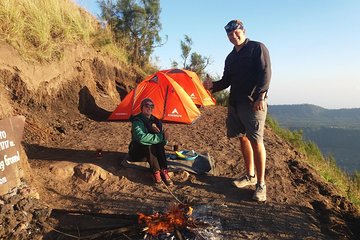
(197, 64)
(136, 26)
(185, 49)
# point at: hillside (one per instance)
(56, 70)
(335, 131)
(66, 105)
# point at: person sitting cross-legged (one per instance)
(148, 141)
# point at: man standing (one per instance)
(247, 71)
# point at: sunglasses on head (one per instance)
(149, 105)
(231, 26)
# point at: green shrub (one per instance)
(222, 98)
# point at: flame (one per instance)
(176, 217)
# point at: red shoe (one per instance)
(165, 177)
(157, 177)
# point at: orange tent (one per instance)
(172, 103)
(191, 83)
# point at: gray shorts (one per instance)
(243, 121)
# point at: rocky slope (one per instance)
(66, 105)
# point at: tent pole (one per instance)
(166, 95)
(133, 100)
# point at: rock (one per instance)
(182, 176)
(90, 172)
(19, 213)
(6, 209)
(25, 204)
(42, 215)
(62, 170)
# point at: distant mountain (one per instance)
(335, 131)
(308, 115)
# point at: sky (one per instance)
(314, 45)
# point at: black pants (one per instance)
(153, 154)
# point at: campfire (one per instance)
(177, 223)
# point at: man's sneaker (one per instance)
(245, 181)
(157, 177)
(165, 177)
(260, 192)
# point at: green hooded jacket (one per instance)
(141, 130)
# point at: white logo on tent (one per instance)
(175, 113)
(192, 95)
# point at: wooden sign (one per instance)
(11, 132)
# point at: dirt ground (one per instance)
(88, 193)
(299, 206)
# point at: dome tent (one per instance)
(191, 83)
(172, 103)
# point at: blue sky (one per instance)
(314, 45)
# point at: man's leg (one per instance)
(248, 155)
(253, 148)
(247, 152)
(259, 160)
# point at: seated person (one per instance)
(148, 139)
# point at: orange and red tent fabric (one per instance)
(191, 83)
(172, 103)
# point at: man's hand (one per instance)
(208, 84)
(259, 105)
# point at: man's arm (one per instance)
(263, 80)
(264, 73)
(218, 85)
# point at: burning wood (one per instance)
(178, 223)
(178, 217)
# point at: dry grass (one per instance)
(41, 29)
